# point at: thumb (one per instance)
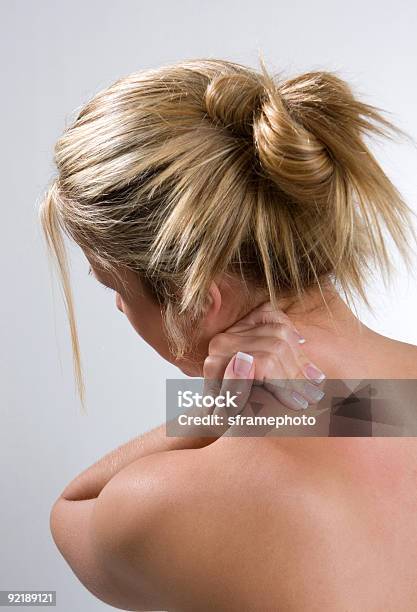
(241, 366)
(237, 381)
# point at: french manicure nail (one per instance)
(300, 337)
(313, 373)
(299, 399)
(242, 364)
(316, 394)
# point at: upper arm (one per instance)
(177, 532)
(172, 531)
(125, 512)
(144, 533)
(124, 545)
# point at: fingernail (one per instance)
(313, 373)
(300, 337)
(300, 399)
(243, 364)
(315, 394)
(297, 337)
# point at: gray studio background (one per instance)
(55, 56)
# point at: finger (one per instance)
(281, 361)
(227, 343)
(278, 358)
(295, 394)
(261, 404)
(280, 375)
(270, 333)
(274, 329)
(237, 383)
(280, 331)
(263, 314)
(306, 367)
(213, 371)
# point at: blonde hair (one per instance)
(207, 167)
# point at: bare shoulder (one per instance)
(181, 520)
(189, 493)
(234, 525)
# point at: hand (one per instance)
(258, 412)
(281, 365)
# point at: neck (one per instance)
(335, 338)
(336, 341)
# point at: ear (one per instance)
(214, 302)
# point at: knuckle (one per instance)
(210, 366)
(275, 329)
(217, 342)
(269, 362)
(278, 348)
(286, 333)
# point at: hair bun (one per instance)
(233, 99)
(298, 126)
(305, 128)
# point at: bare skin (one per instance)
(254, 524)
